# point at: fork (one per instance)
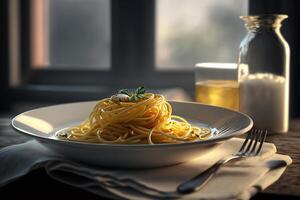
(227, 124)
(251, 147)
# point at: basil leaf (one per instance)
(124, 91)
(140, 90)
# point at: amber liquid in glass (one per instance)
(223, 93)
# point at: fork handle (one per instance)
(197, 182)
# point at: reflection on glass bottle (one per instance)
(264, 91)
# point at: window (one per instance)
(117, 44)
(194, 31)
(70, 34)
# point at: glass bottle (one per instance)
(264, 88)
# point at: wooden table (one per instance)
(289, 144)
(287, 187)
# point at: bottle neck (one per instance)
(263, 23)
(260, 29)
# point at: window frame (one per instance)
(131, 48)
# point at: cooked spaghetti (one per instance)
(124, 119)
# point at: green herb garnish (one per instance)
(124, 91)
(135, 95)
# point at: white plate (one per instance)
(43, 123)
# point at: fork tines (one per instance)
(253, 143)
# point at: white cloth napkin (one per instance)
(239, 180)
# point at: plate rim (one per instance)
(169, 145)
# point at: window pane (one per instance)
(70, 34)
(194, 31)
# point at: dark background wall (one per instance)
(4, 55)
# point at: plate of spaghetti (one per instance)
(132, 129)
